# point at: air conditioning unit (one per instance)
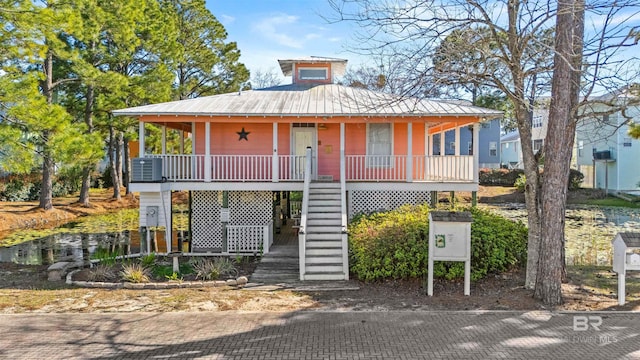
(146, 170)
(602, 155)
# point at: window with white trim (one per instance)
(537, 145)
(379, 145)
(313, 74)
(626, 142)
(493, 148)
(536, 121)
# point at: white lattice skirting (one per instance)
(363, 201)
(249, 213)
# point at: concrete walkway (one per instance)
(321, 335)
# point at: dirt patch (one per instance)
(24, 288)
(27, 215)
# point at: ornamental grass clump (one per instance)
(213, 269)
(134, 273)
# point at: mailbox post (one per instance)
(450, 240)
(626, 246)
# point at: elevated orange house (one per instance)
(347, 150)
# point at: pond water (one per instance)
(79, 240)
(588, 229)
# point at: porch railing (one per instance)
(251, 239)
(423, 168)
(292, 168)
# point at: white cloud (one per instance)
(226, 19)
(276, 28)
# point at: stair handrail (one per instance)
(343, 217)
(302, 236)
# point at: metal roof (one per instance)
(512, 136)
(338, 66)
(309, 100)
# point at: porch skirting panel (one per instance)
(206, 228)
(249, 213)
(363, 201)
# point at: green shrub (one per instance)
(395, 245)
(502, 177)
(575, 180)
(520, 183)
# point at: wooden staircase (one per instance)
(324, 253)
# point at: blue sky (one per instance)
(268, 30)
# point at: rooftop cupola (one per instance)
(313, 69)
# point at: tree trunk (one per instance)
(112, 162)
(46, 190)
(88, 169)
(126, 178)
(559, 143)
(118, 151)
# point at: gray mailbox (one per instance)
(450, 240)
(626, 256)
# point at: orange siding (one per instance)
(356, 139)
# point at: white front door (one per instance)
(301, 138)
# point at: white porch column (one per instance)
(207, 151)
(193, 138)
(343, 169)
(442, 141)
(164, 139)
(181, 141)
(457, 141)
(275, 175)
(141, 138)
(476, 152)
(409, 152)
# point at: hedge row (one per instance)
(395, 245)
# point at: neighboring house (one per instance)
(489, 150)
(348, 150)
(605, 153)
(510, 145)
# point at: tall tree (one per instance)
(205, 64)
(34, 39)
(508, 39)
(565, 89)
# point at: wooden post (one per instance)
(409, 152)
(207, 151)
(275, 175)
(141, 138)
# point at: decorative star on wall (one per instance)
(243, 134)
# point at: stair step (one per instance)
(324, 215)
(336, 236)
(323, 244)
(316, 196)
(317, 229)
(323, 259)
(324, 185)
(323, 251)
(324, 222)
(323, 202)
(320, 268)
(325, 276)
(325, 209)
(324, 191)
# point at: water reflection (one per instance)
(70, 247)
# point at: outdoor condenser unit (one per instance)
(146, 170)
